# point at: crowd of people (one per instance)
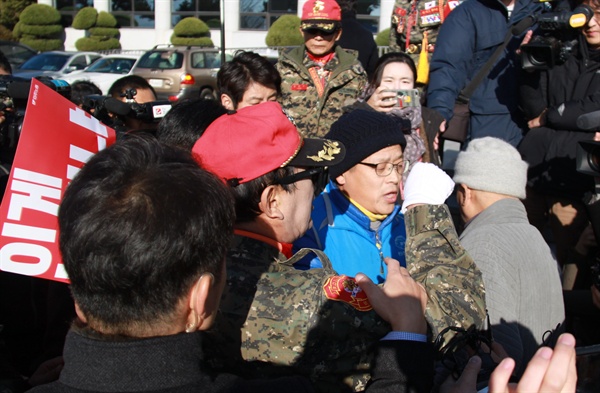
(293, 234)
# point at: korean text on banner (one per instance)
(57, 138)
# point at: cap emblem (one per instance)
(330, 150)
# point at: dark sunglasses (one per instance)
(322, 33)
(318, 175)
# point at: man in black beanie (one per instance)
(363, 193)
(357, 220)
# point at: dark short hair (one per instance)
(187, 121)
(391, 57)
(139, 224)
(235, 76)
(5, 64)
(82, 89)
(247, 195)
(347, 5)
(129, 82)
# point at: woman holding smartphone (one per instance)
(391, 89)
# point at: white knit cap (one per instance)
(490, 164)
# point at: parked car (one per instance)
(56, 64)
(16, 53)
(104, 71)
(178, 72)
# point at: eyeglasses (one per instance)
(383, 169)
(318, 175)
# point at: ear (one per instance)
(204, 303)
(80, 313)
(468, 194)
(338, 34)
(340, 180)
(227, 102)
(270, 202)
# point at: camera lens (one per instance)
(594, 159)
(538, 57)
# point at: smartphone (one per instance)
(406, 98)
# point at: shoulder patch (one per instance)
(345, 289)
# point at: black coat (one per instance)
(356, 36)
(176, 364)
(567, 91)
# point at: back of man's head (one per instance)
(347, 5)
(492, 165)
(82, 89)
(187, 121)
(128, 82)
(139, 224)
(235, 76)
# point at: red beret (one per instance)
(258, 139)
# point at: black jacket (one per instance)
(356, 36)
(567, 91)
(176, 364)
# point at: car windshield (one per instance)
(112, 65)
(45, 62)
(163, 60)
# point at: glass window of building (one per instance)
(260, 14)
(69, 8)
(133, 13)
(208, 11)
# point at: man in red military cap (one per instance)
(319, 78)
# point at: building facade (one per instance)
(145, 23)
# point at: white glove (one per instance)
(426, 184)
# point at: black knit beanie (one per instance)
(364, 132)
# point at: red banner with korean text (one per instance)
(57, 138)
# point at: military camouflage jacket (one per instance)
(276, 320)
(414, 17)
(313, 115)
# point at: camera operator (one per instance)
(122, 88)
(82, 89)
(552, 100)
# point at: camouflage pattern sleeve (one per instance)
(436, 259)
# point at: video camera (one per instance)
(14, 93)
(557, 40)
(588, 158)
(111, 111)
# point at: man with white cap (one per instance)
(523, 290)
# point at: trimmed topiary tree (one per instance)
(102, 32)
(285, 32)
(383, 38)
(10, 11)
(85, 18)
(5, 34)
(191, 31)
(39, 27)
